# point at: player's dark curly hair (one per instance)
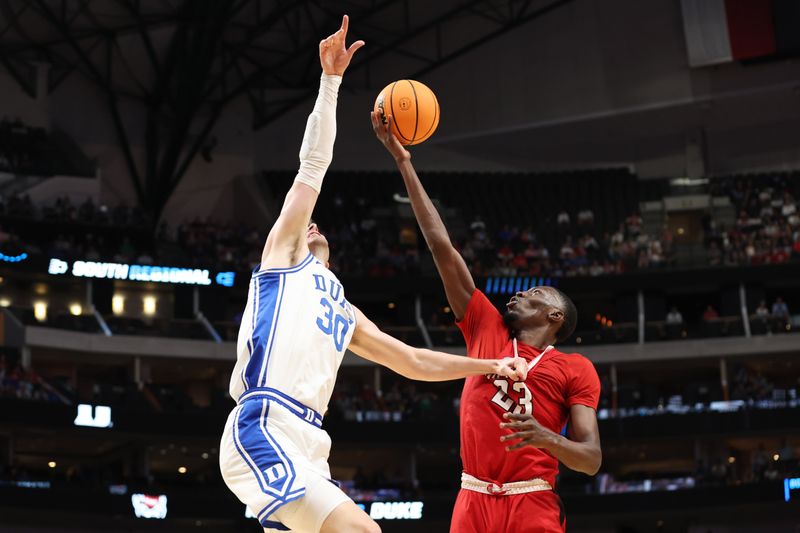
(570, 317)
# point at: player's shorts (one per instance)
(274, 458)
(533, 512)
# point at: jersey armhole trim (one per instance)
(288, 270)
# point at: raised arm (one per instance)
(419, 364)
(286, 244)
(458, 282)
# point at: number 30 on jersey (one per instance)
(501, 398)
(333, 324)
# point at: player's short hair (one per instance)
(570, 317)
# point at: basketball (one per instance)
(414, 108)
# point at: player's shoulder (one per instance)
(481, 307)
(574, 360)
(479, 298)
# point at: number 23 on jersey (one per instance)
(523, 405)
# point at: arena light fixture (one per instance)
(51, 464)
(75, 309)
(688, 182)
(118, 304)
(182, 470)
(149, 305)
(5, 302)
(40, 311)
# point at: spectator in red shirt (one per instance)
(710, 314)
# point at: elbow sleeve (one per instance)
(316, 152)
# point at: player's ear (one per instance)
(556, 315)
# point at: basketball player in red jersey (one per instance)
(511, 440)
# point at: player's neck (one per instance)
(538, 338)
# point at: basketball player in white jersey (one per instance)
(295, 329)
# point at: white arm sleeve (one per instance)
(316, 152)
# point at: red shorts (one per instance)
(532, 512)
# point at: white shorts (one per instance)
(274, 458)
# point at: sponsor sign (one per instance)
(393, 510)
(790, 485)
(91, 416)
(148, 506)
(381, 510)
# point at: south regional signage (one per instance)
(134, 272)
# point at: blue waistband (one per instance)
(302, 412)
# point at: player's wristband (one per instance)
(316, 152)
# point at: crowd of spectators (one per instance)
(24, 384)
(355, 401)
(94, 232)
(751, 465)
(767, 228)
(580, 250)
(362, 244)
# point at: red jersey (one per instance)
(557, 382)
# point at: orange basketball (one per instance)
(414, 108)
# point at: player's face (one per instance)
(317, 243)
(531, 307)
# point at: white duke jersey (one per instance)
(294, 332)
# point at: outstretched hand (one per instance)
(514, 368)
(333, 55)
(384, 134)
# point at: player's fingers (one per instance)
(515, 425)
(513, 436)
(376, 124)
(354, 48)
(517, 416)
(345, 24)
(517, 446)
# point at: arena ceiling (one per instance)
(263, 49)
(187, 60)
